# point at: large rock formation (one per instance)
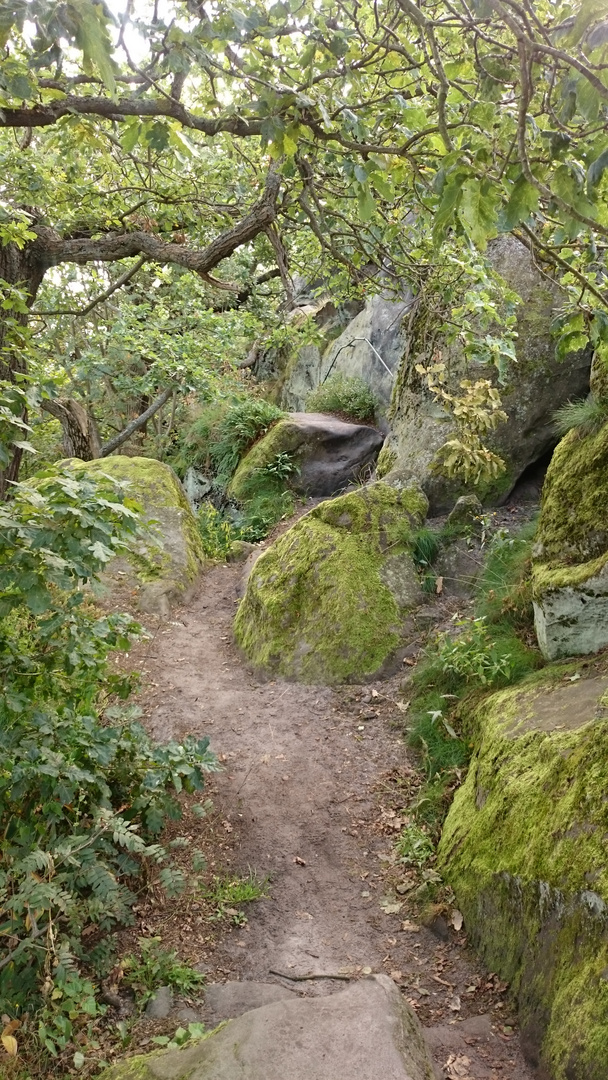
(366, 1031)
(326, 601)
(537, 386)
(161, 574)
(570, 576)
(524, 848)
(377, 327)
(329, 453)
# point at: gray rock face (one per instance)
(539, 385)
(161, 1004)
(573, 620)
(329, 453)
(378, 325)
(365, 1032)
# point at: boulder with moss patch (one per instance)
(326, 602)
(524, 849)
(165, 573)
(570, 575)
(365, 1031)
(324, 452)
(536, 386)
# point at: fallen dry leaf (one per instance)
(457, 1067)
(299, 861)
(9, 1043)
(454, 1004)
(410, 927)
(457, 919)
(396, 976)
(439, 586)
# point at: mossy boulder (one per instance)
(365, 1031)
(326, 602)
(524, 849)
(165, 572)
(327, 454)
(570, 574)
(536, 386)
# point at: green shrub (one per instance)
(222, 435)
(159, 967)
(84, 791)
(217, 533)
(586, 415)
(266, 497)
(504, 592)
(346, 396)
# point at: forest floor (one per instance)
(314, 786)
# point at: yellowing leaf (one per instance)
(9, 1043)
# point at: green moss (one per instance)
(573, 525)
(524, 848)
(157, 488)
(283, 438)
(387, 459)
(321, 604)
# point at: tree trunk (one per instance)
(80, 435)
(24, 269)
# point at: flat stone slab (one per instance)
(366, 1032)
(226, 1001)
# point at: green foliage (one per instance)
(414, 846)
(226, 893)
(503, 594)
(345, 395)
(585, 416)
(217, 533)
(181, 1036)
(223, 433)
(159, 967)
(81, 798)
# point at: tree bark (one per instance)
(80, 434)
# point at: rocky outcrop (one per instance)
(162, 574)
(377, 327)
(524, 849)
(365, 1032)
(329, 454)
(538, 385)
(570, 574)
(326, 601)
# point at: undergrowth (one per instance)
(586, 416)
(223, 433)
(494, 647)
(346, 396)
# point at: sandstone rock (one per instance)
(166, 575)
(327, 600)
(226, 1001)
(160, 1004)
(367, 1031)
(539, 385)
(465, 510)
(352, 354)
(329, 453)
(523, 848)
(570, 574)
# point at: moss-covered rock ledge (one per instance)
(524, 847)
(326, 602)
(161, 575)
(570, 577)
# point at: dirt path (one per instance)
(310, 777)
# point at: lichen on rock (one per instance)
(570, 575)
(524, 848)
(163, 573)
(325, 603)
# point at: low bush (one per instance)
(585, 416)
(84, 791)
(346, 396)
(222, 434)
